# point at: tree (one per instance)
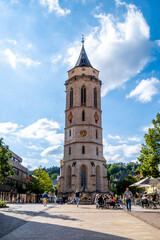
(40, 182)
(126, 182)
(6, 168)
(150, 151)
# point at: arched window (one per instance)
(83, 115)
(68, 177)
(96, 150)
(70, 132)
(95, 97)
(69, 150)
(96, 133)
(71, 98)
(83, 96)
(98, 179)
(83, 149)
(83, 177)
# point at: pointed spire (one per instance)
(83, 58)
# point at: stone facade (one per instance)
(83, 167)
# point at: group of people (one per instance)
(99, 198)
(114, 201)
(148, 200)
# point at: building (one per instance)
(83, 167)
(15, 185)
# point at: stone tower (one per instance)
(83, 167)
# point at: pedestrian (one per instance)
(127, 196)
(19, 199)
(77, 197)
(45, 197)
(63, 199)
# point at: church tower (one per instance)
(83, 167)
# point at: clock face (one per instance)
(83, 133)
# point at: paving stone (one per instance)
(85, 222)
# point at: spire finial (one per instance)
(82, 40)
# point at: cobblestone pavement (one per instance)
(17, 215)
(151, 216)
(85, 222)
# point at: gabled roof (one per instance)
(83, 58)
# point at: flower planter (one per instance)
(84, 202)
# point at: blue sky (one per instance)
(40, 40)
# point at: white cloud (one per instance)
(43, 129)
(124, 140)
(31, 162)
(13, 59)
(145, 90)
(53, 6)
(114, 137)
(53, 150)
(8, 127)
(145, 128)
(44, 160)
(135, 161)
(119, 49)
(134, 139)
(34, 147)
(14, 42)
(121, 152)
(158, 42)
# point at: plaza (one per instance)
(33, 221)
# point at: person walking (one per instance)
(44, 197)
(77, 198)
(127, 196)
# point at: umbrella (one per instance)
(141, 182)
(154, 182)
(143, 185)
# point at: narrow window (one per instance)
(70, 132)
(96, 150)
(83, 177)
(83, 96)
(96, 133)
(69, 150)
(71, 98)
(83, 149)
(95, 97)
(83, 115)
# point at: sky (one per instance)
(40, 40)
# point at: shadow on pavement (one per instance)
(41, 213)
(8, 224)
(41, 231)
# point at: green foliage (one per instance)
(52, 171)
(150, 151)
(115, 170)
(54, 176)
(113, 188)
(2, 204)
(5, 167)
(40, 182)
(126, 182)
